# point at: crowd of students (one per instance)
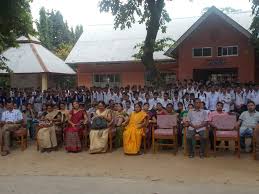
(67, 113)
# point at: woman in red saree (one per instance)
(77, 120)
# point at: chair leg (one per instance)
(22, 143)
(176, 145)
(238, 148)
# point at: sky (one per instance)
(86, 12)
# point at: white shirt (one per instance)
(153, 102)
(239, 100)
(226, 100)
(175, 103)
(12, 116)
(212, 101)
(165, 102)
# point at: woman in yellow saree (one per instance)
(134, 130)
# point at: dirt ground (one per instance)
(226, 168)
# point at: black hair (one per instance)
(251, 102)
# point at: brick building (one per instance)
(213, 46)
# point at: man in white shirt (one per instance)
(176, 100)
(11, 121)
(239, 100)
(128, 107)
(225, 98)
(154, 100)
(213, 100)
(166, 100)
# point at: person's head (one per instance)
(44, 107)
(175, 95)
(251, 106)
(155, 95)
(49, 108)
(187, 96)
(197, 103)
(190, 107)
(128, 104)
(137, 107)
(147, 96)
(212, 89)
(146, 107)
(203, 105)
(219, 106)
(111, 104)
(119, 107)
(9, 106)
(136, 95)
(169, 108)
(62, 106)
(29, 106)
(159, 106)
(166, 96)
(101, 106)
(180, 106)
(223, 90)
(76, 105)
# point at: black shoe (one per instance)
(202, 155)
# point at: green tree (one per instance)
(54, 32)
(15, 20)
(152, 13)
(255, 24)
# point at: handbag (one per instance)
(99, 123)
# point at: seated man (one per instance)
(11, 121)
(196, 121)
(248, 120)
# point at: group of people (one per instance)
(69, 117)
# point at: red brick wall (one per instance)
(216, 32)
(130, 73)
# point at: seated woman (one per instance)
(77, 120)
(134, 130)
(120, 117)
(160, 110)
(46, 135)
(170, 109)
(100, 129)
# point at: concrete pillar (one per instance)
(44, 81)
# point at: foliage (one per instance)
(63, 50)
(255, 24)
(54, 32)
(152, 13)
(160, 45)
(15, 20)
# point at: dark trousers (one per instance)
(190, 136)
(211, 138)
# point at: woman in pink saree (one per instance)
(73, 133)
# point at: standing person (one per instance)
(129, 109)
(182, 115)
(30, 116)
(213, 99)
(239, 100)
(154, 100)
(197, 121)
(166, 100)
(175, 100)
(134, 130)
(248, 120)
(225, 98)
(37, 102)
(77, 120)
(11, 121)
(100, 129)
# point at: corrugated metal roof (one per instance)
(102, 43)
(32, 57)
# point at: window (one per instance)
(202, 52)
(101, 80)
(228, 51)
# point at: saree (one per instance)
(73, 134)
(99, 138)
(132, 135)
(47, 135)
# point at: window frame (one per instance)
(233, 55)
(202, 52)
